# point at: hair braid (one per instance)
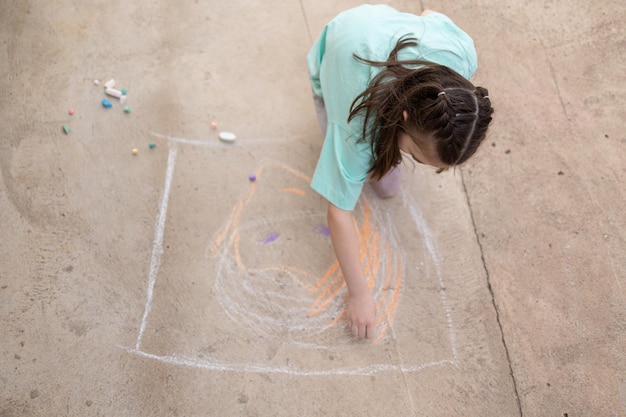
(445, 121)
(470, 118)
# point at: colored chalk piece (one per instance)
(213, 125)
(152, 145)
(123, 91)
(127, 109)
(71, 112)
(227, 136)
(66, 129)
(106, 103)
(252, 177)
(113, 92)
(135, 151)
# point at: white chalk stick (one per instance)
(113, 92)
(123, 99)
(227, 136)
(110, 83)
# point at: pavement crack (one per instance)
(306, 22)
(493, 298)
(556, 82)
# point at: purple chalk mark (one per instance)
(322, 229)
(270, 238)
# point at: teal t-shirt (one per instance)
(371, 32)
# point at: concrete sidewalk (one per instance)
(168, 284)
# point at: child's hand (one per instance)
(361, 315)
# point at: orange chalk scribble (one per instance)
(371, 253)
(293, 190)
(323, 298)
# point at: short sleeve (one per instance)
(314, 62)
(342, 168)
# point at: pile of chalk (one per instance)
(109, 89)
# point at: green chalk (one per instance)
(127, 109)
(152, 145)
(123, 91)
(66, 129)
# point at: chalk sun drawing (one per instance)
(299, 299)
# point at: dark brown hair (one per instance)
(439, 102)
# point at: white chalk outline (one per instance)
(155, 261)
(428, 240)
(213, 143)
(245, 368)
(157, 247)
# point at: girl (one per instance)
(387, 83)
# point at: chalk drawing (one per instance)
(245, 368)
(322, 229)
(416, 215)
(303, 303)
(157, 247)
(270, 238)
(300, 304)
(214, 144)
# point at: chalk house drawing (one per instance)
(301, 303)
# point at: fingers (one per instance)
(362, 331)
(361, 315)
(355, 330)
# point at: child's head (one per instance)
(447, 110)
(444, 114)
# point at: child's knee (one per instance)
(389, 185)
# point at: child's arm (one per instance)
(361, 307)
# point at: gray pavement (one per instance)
(167, 283)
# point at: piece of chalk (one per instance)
(96, 82)
(106, 103)
(123, 99)
(110, 83)
(135, 151)
(127, 109)
(213, 125)
(66, 129)
(152, 145)
(71, 111)
(252, 177)
(113, 92)
(227, 136)
(124, 90)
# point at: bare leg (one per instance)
(389, 184)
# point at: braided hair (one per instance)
(439, 102)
